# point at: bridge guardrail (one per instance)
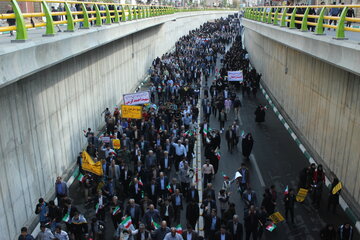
(315, 17)
(85, 13)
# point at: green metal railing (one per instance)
(305, 17)
(87, 14)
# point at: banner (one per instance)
(300, 197)
(235, 76)
(89, 165)
(276, 217)
(134, 112)
(116, 143)
(136, 98)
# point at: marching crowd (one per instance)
(147, 184)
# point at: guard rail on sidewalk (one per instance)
(305, 17)
(86, 13)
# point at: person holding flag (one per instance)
(334, 195)
(116, 211)
(173, 235)
(161, 232)
(141, 233)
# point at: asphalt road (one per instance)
(275, 160)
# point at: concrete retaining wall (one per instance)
(42, 115)
(321, 99)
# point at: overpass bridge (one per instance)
(48, 82)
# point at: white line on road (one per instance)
(252, 157)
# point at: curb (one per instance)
(348, 211)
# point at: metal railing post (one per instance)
(86, 24)
(108, 16)
(304, 24)
(340, 28)
(21, 33)
(123, 13)
(50, 29)
(283, 18)
(275, 22)
(70, 18)
(116, 14)
(129, 18)
(98, 21)
(319, 29)
(269, 19)
(292, 19)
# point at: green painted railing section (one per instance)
(279, 16)
(118, 13)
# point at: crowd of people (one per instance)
(148, 182)
(148, 188)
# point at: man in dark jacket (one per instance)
(222, 234)
(133, 210)
(235, 228)
(192, 214)
(211, 224)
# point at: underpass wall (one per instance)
(43, 115)
(320, 99)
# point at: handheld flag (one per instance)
(169, 188)
(218, 155)
(242, 134)
(337, 188)
(116, 210)
(89, 165)
(97, 208)
(81, 178)
(140, 182)
(154, 224)
(179, 229)
(286, 190)
(66, 218)
(127, 222)
(271, 227)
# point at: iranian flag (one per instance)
(66, 218)
(140, 182)
(179, 229)
(271, 227)
(286, 190)
(116, 210)
(206, 131)
(81, 178)
(154, 224)
(169, 188)
(127, 222)
(242, 134)
(218, 155)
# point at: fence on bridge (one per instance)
(305, 17)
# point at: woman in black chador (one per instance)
(247, 145)
(260, 114)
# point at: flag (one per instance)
(116, 143)
(205, 132)
(81, 177)
(224, 176)
(179, 229)
(286, 190)
(116, 210)
(154, 224)
(271, 227)
(242, 134)
(140, 182)
(169, 188)
(89, 165)
(337, 188)
(127, 222)
(97, 208)
(218, 155)
(66, 218)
